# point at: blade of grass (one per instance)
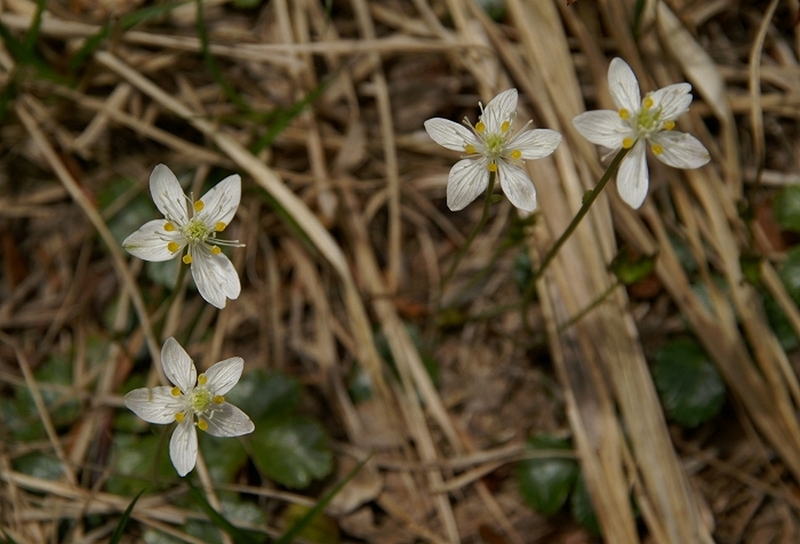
(123, 521)
(33, 32)
(303, 522)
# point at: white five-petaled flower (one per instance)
(164, 239)
(194, 401)
(491, 147)
(640, 121)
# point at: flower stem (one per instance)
(487, 202)
(588, 200)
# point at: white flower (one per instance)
(164, 239)
(195, 401)
(638, 122)
(489, 146)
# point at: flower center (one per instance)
(196, 230)
(648, 119)
(200, 400)
(494, 145)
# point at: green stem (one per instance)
(594, 304)
(588, 200)
(487, 202)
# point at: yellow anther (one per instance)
(215, 250)
(176, 391)
(657, 149)
(492, 167)
(198, 206)
(469, 149)
(187, 259)
(480, 127)
(669, 125)
(202, 379)
(516, 154)
(219, 227)
(172, 247)
(648, 102)
(505, 126)
(169, 227)
(623, 113)
(202, 424)
(627, 143)
(179, 417)
(219, 399)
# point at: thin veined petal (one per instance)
(633, 177)
(624, 86)
(535, 144)
(502, 107)
(680, 150)
(222, 376)
(150, 242)
(468, 178)
(448, 134)
(228, 420)
(517, 186)
(168, 194)
(154, 405)
(178, 366)
(221, 201)
(674, 100)
(603, 127)
(215, 276)
(183, 446)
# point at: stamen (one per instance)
(176, 391)
(172, 247)
(657, 149)
(480, 127)
(627, 143)
(623, 113)
(169, 227)
(202, 379)
(669, 125)
(516, 154)
(648, 102)
(492, 167)
(215, 250)
(179, 417)
(219, 399)
(202, 424)
(469, 149)
(505, 126)
(198, 206)
(219, 227)
(187, 259)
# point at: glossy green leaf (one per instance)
(292, 452)
(790, 273)
(265, 395)
(39, 465)
(581, 507)
(691, 389)
(545, 482)
(140, 463)
(631, 269)
(786, 208)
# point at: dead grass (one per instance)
(370, 239)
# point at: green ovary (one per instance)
(494, 145)
(196, 230)
(200, 400)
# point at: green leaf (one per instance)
(629, 269)
(123, 521)
(265, 395)
(790, 273)
(780, 324)
(140, 462)
(581, 507)
(786, 208)
(224, 457)
(40, 466)
(239, 536)
(292, 452)
(545, 482)
(690, 386)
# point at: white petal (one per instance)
(624, 86)
(448, 134)
(154, 405)
(183, 446)
(673, 99)
(517, 186)
(603, 127)
(215, 276)
(168, 195)
(467, 179)
(681, 150)
(633, 177)
(221, 201)
(228, 420)
(149, 243)
(502, 107)
(535, 144)
(178, 366)
(222, 376)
